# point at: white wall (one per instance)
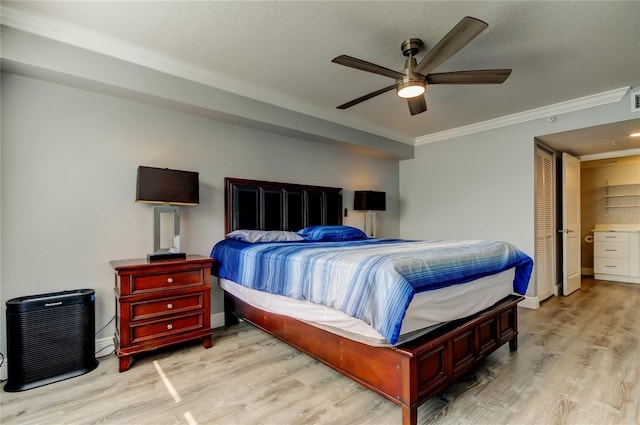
(69, 160)
(481, 186)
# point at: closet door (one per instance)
(544, 268)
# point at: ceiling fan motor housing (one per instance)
(411, 47)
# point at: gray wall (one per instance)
(69, 160)
(481, 186)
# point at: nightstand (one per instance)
(160, 304)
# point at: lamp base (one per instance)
(370, 223)
(164, 256)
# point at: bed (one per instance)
(405, 365)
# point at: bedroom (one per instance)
(68, 185)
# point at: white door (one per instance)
(570, 224)
(545, 226)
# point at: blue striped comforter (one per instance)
(373, 279)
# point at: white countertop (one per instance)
(616, 228)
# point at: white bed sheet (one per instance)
(427, 309)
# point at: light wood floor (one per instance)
(578, 363)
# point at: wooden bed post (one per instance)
(513, 342)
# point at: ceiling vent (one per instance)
(635, 101)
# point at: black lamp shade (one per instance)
(368, 200)
(165, 186)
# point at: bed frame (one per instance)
(408, 374)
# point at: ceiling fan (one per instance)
(412, 83)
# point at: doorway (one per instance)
(587, 144)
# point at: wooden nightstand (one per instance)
(160, 304)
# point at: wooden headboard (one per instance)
(262, 205)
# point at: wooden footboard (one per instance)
(409, 374)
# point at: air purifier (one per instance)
(50, 337)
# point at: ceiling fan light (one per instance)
(411, 89)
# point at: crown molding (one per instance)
(598, 99)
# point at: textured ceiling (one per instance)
(280, 52)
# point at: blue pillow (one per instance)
(332, 233)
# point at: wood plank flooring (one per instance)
(578, 362)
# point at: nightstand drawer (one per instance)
(157, 308)
(611, 266)
(166, 327)
(170, 280)
(611, 250)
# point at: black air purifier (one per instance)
(50, 337)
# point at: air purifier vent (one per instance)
(50, 337)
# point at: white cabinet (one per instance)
(616, 256)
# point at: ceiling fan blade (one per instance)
(367, 66)
(459, 36)
(417, 105)
(485, 76)
(366, 97)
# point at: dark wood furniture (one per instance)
(408, 374)
(160, 304)
(262, 205)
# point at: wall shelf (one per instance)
(625, 198)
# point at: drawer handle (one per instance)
(169, 280)
(169, 326)
(169, 306)
(612, 267)
(611, 250)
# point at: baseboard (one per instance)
(104, 346)
(217, 320)
(617, 278)
(3, 370)
(530, 302)
(586, 271)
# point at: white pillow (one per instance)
(264, 236)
